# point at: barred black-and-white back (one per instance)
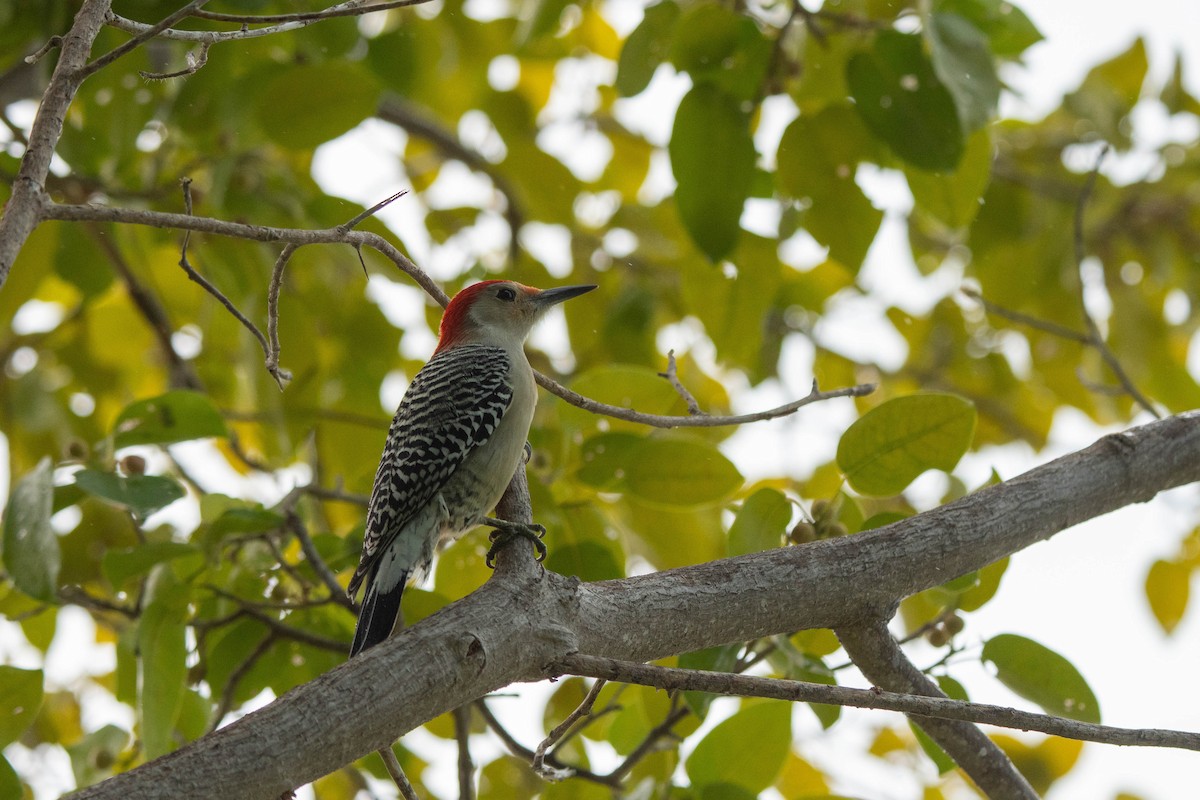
(453, 406)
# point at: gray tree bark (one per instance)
(523, 619)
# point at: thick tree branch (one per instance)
(874, 651)
(525, 618)
(23, 211)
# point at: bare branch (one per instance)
(397, 772)
(282, 376)
(24, 209)
(352, 223)
(583, 710)
(525, 754)
(337, 592)
(726, 683)
(237, 230)
(874, 651)
(466, 770)
(181, 372)
(52, 43)
(1052, 328)
(196, 277)
(225, 703)
(141, 38)
(661, 421)
(673, 377)
(196, 59)
(286, 22)
(657, 733)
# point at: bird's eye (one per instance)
(507, 294)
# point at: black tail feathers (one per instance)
(378, 615)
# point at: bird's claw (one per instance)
(506, 531)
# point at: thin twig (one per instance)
(196, 59)
(196, 277)
(81, 597)
(336, 592)
(235, 678)
(583, 710)
(257, 233)
(287, 22)
(524, 753)
(53, 43)
(283, 630)
(1097, 339)
(674, 679)
(1052, 328)
(181, 372)
(662, 421)
(325, 493)
(397, 772)
(352, 223)
(673, 377)
(141, 38)
(462, 735)
(282, 376)
(660, 731)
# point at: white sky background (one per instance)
(1080, 593)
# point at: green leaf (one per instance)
(177, 416)
(588, 561)
(20, 699)
(817, 160)
(1042, 676)
(963, 64)
(745, 751)
(141, 494)
(1167, 587)
(94, 757)
(75, 262)
(121, 565)
(672, 471)
(646, 48)
(1110, 91)
(714, 44)
(10, 782)
(162, 646)
(953, 198)
(760, 523)
(625, 385)
(680, 472)
(937, 755)
(893, 443)
(712, 156)
(31, 551)
(604, 458)
(1175, 95)
(1008, 30)
(899, 96)
(309, 104)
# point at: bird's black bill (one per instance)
(550, 297)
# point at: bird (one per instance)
(454, 444)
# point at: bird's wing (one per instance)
(453, 406)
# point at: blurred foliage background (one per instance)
(128, 391)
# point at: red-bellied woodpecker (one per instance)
(454, 444)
